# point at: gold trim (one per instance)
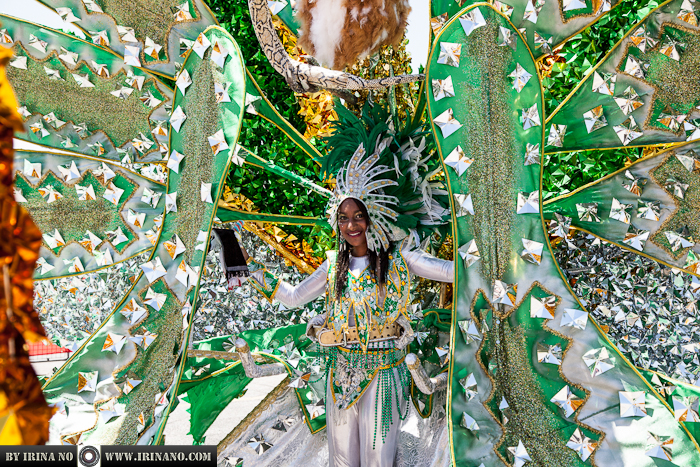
(610, 148)
(286, 254)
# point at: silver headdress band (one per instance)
(359, 179)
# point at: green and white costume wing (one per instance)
(534, 377)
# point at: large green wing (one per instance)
(510, 299)
(145, 337)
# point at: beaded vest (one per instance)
(361, 295)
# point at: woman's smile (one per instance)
(353, 222)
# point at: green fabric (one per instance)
(286, 14)
(270, 166)
(231, 215)
(496, 141)
(589, 46)
(160, 365)
(661, 70)
(681, 390)
(224, 381)
(528, 392)
(601, 193)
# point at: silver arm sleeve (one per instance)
(293, 296)
(428, 266)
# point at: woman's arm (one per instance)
(293, 296)
(428, 266)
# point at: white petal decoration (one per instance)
(574, 318)
(174, 161)
(183, 81)
(201, 44)
(528, 203)
(171, 202)
(472, 20)
(458, 160)
(469, 253)
(464, 204)
(113, 194)
(633, 404)
(219, 54)
(217, 141)
(177, 118)
(153, 270)
(447, 123)
(205, 192)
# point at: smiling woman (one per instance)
(363, 333)
(352, 222)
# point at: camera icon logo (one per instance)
(89, 456)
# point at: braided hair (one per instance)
(378, 261)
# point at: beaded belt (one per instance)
(327, 338)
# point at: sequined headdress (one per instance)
(389, 171)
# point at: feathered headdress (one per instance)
(390, 171)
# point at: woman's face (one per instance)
(352, 224)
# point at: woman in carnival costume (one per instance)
(378, 212)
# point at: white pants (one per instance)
(352, 433)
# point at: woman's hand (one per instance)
(238, 227)
(315, 322)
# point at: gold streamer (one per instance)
(24, 415)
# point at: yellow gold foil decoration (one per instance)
(316, 107)
(24, 414)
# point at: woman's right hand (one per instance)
(315, 322)
(238, 228)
